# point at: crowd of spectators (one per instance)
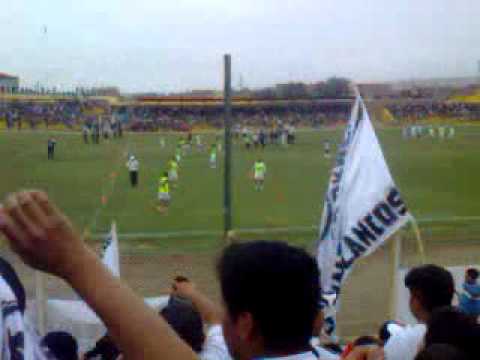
(270, 292)
(418, 110)
(77, 112)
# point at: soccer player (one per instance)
(85, 133)
(198, 141)
(173, 171)
(218, 140)
(51, 148)
(441, 132)
(132, 166)
(213, 156)
(162, 142)
(163, 193)
(326, 149)
(259, 172)
(178, 153)
(451, 132)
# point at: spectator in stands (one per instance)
(61, 345)
(441, 352)
(271, 293)
(431, 287)
(105, 349)
(451, 326)
(209, 347)
(470, 297)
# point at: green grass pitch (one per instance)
(438, 179)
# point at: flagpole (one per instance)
(418, 237)
(396, 257)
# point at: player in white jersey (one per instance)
(441, 132)
(451, 132)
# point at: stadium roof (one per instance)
(6, 76)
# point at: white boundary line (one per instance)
(285, 230)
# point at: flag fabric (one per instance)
(362, 208)
(111, 253)
(17, 341)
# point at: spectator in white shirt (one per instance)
(271, 292)
(431, 287)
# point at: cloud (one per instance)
(166, 46)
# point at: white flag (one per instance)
(111, 254)
(362, 205)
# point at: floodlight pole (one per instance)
(227, 184)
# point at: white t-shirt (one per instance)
(215, 347)
(322, 354)
(405, 344)
(133, 165)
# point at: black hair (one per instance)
(105, 348)
(8, 273)
(473, 273)
(333, 348)
(442, 352)
(366, 340)
(433, 284)
(62, 345)
(450, 325)
(186, 321)
(277, 284)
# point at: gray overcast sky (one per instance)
(148, 45)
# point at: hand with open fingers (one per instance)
(40, 234)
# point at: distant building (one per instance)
(106, 91)
(376, 90)
(9, 83)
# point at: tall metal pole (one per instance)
(227, 185)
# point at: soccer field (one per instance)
(439, 180)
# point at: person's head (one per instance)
(471, 275)
(165, 174)
(271, 293)
(450, 325)
(431, 287)
(441, 352)
(61, 345)
(8, 273)
(185, 321)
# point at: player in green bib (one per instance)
(173, 171)
(163, 193)
(213, 156)
(259, 172)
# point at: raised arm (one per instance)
(45, 239)
(211, 313)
